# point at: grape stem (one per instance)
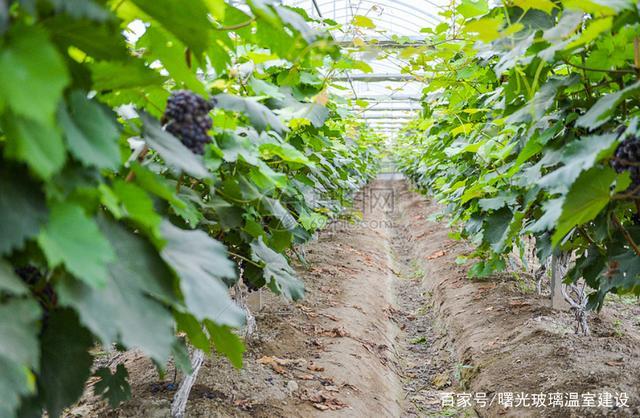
(599, 70)
(627, 162)
(238, 26)
(132, 175)
(244, 258)
(626, 234)
(179, 183)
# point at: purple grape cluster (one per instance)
(627, 158)
(187, 118)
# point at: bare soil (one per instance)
(389, 326)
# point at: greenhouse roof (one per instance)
(390, 93)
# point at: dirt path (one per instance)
(390, 324)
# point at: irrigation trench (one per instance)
(411, 364)
(390, 324)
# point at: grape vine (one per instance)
(529, 129)
(141, 168)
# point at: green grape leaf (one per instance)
(285, 151)
(19, 328)
(551, 212)
(22, 209)
(281, 213)
(91, 133)
(599, 7)
(132, 307)
(9, 281)
(363, 22)
(545, 5)
(103, 42)
(217, 8)
(37, 144)
(316, 113)
(174, 153)
(277, 272)
(16, 382)
(604, 108)
(29, 59)
(588, 195)
(170, 52)
(542, 100)
(226, 342)
(497, 202)
(19, 351)
(116, 75)
(578, 156)
(187, 20)
(595, 28)
(233, 146)
(497, 228)
(137, 204)
(180, 354)
(194, 330)
(73, 239)
(627, 274)
(261, 117)
(201, 263)
(113, 387)
(297, 22)
(473, 8)
(65, 363)
(156, 184)
(263, 88)
(82, 9)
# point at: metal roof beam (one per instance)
(377, 77)
(389, 98)
(392, 110)
(386, 117)
(384, 44)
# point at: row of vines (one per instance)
(529, 129)
(154, 153)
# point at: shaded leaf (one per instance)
(277, 272)
(115, 75)
(73, 239)
(29, 59)
(261, 117)
(187, 20)
(113, 387)
(37, 144)
(201, 263)
(127, 309)
(91, 133)
(22, 209)
(604, 108)
(473, 8)
(174, 153)
(64, 343)
(586, 198)
(227, 343)
(9, 281)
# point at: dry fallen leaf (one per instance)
(333, 332)
(435, 255)
(441, 380)
(243, 404)
(315, 368)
